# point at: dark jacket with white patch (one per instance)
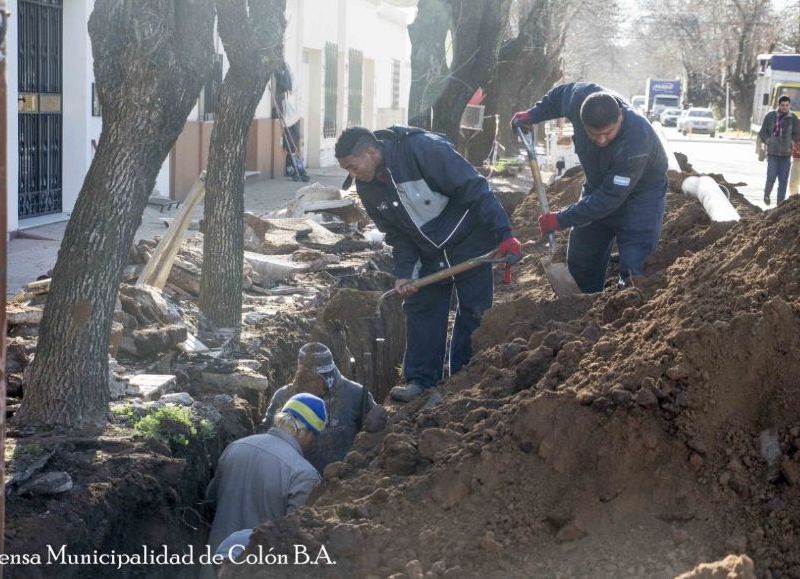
(434, 208)
(633, 166)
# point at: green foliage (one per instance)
(173, 424)
(124, 411)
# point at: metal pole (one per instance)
(727, 104)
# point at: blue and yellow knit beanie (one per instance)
(308, 409)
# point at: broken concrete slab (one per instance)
(310, 194)
(192, 345)
(178, 398)
(148, 305)
(317, 198)
(48, 483)
(272, 268)
(150, 341)
(347, 210)
(152, 386)
(19, 315)
(277, 236)
(242, 378)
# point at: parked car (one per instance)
(699, 120)
(669, 118)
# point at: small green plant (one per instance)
(500, 166)
(171, 424)
(124, 411)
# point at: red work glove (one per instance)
(548, 222)
(511, 248)
(522, 120)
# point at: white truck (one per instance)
(778, 75)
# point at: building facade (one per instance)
(350, 63)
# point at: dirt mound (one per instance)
(632, 433)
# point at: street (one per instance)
(735, 159)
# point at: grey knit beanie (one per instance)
(316, 356)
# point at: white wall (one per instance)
(375, 28)
(79, 128)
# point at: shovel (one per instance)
(558, 275)
(467, 265)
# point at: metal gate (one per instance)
(40, 59)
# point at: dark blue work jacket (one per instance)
(434, 207)
(632, 167)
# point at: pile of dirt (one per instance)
(633, 433)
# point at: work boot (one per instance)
(766, 198)
(406, 393)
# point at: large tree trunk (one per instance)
(150, 59)
(252, 33)
(527, 66)
(477, 29)
(428, 34)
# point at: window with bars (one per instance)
(208, 99)
(331, 88)
(355, 95)
(395, 84)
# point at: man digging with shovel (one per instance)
(436, 212)
(624, 194)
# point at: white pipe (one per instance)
(705, 189)
(714, 200)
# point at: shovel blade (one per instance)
(560, 279)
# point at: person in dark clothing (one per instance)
(624, 194)
(778, 131)
(436, 211)
(344, 402)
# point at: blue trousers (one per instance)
(636, 226)
(427, 323)
(778, 167)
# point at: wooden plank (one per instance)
(157, 270)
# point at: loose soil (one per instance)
(633, 433)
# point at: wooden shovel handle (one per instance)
(452, 271)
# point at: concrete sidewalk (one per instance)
(35, 251)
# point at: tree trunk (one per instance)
(150, 59)
(477, 28)
(253, 40)
(527, 67)
(428, 34)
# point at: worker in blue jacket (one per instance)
(624, 194)
(436, 211)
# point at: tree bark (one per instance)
(527, 66)
(477, 29)
(252, 34)
(150, 59)
(428, 34)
